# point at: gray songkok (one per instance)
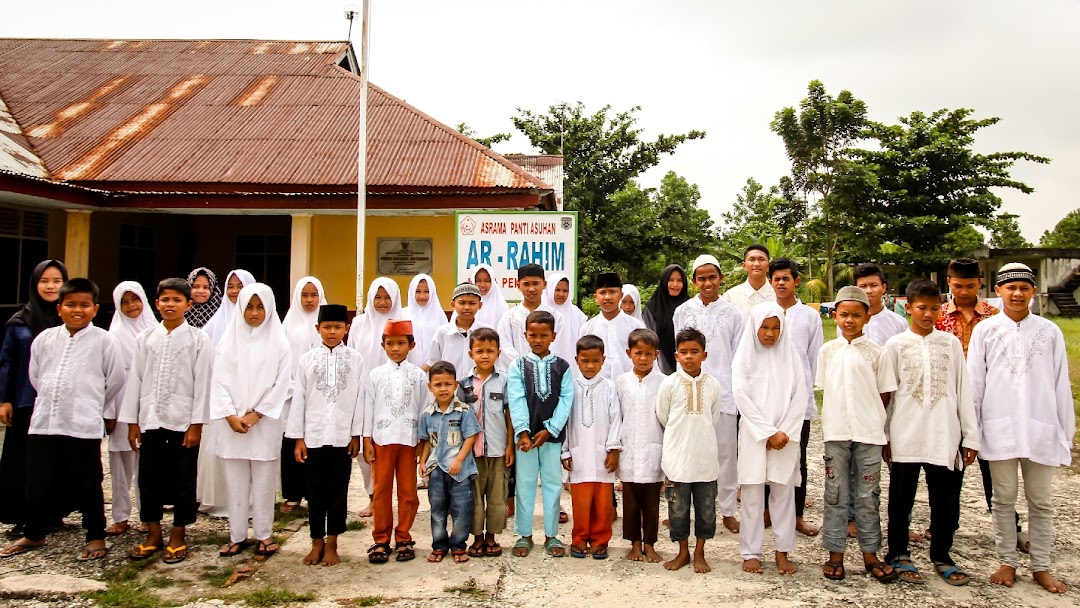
(852, 294)
(465, 289)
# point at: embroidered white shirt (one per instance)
(807, 336)
(594, 428)
(169, 383)
(853, 376)
(512, 340)
(688, 408)
(642, 436)
(745, 297)
(394, 397)
(326, 399)
(451, 343)
(722, 323)
(614, 333)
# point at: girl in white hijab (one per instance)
(252, 380)
(134, 314)
(426, 314)
(493, 304)
(557, 296)
(234, 282)
(631, 301)
(767, 382)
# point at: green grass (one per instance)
(271, 596)
(127, 594)
(217, 575)
(367, 600)
(283, 519)
(469, 587)
(355, 525)
(1071, 329)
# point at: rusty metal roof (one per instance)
(239, 112)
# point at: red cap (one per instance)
(395, 327)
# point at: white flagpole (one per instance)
(361, 160)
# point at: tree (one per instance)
(487, 142)
(681, 229)
(1065, 235)
(764, 213)
(1005, 233)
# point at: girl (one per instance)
(492, 303)
(426, 315)
(17, 395)
(133, 316)
(205, 297)
(299, 325)
(222, 319)
(557, 296)
(631, 302)
(669, 294)
(767, 382)
(252, 380)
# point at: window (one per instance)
(136, 253)
(24, 242)
(267, 257)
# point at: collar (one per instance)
(494, 373)
(854, 342)
(766, 288)
(983, 309)
(338, 347)
(160, 328)
(455, 406)
(538, 358)
(589, 382)
(686, 376)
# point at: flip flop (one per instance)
(838, 571)
(885, 577)
(170, 555)
(90, 555)
(554, 547)
(493, 550)
(264, 549)
(232, 549)
(523, 543)
(476, 550)
(600, 553)
(141, 552)
(945, 571)
(577, 552)
(20, 548)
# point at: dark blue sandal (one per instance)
(946, 572)
(908, 572)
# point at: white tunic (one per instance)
(883, 326)
(614, 333)
(722, 325)
(126, 330)
(853, 376)
(932, 410)
(745, 297)
(594, 428)
(169, 383)
(807, 335)
(79, 381)
(642, 436)
(512, 336)
(394, 396)
(326, 405)
(1020, 381)
(688, 408)
(451, 343)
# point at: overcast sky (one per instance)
(718, 66)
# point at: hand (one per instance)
(611, 461)
(300, 451)
(540, 438)
(354, 447)
(237, 424)
(6, 410)
(886, 454)
(420, 470)
(778, 441)
(509, 458)
(969, 456)
(135, 437)
(251, 419)
(193, 436)
(568, 464)
(369, 450)
(455, 467)
(110, 426)
(524, 442)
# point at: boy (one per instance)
(326, 421)
(531, 282)
(721, 324)
(757, 288)
(856, 379)
(540, 390)
(803, 325)
(166, 403)
(883, 323)
(484, 390)
(394, 396)
(591, 451)
(642, 440)
(688, 407)
(612, 325)
(1020, 379)
(451, 428)
(78, 372)
(935, 394)
(451, 341)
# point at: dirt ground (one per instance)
(563, 582)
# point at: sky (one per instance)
(720, 66)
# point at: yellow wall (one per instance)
(333, 253)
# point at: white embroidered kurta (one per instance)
(722, 325)
(169, 383)
(79, 381)
(1020, 382)
(512, 340)
(853, 376)
(615, 333)
(394, 397)
(642, 436)
(744, 297)
(594, 428)
(932, 409)
(883, 326)
(807, 335)
(688, 408)
(450, 343)
(326, 405)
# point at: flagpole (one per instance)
(361, 159)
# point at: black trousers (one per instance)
(13, 467)
(943, 487)
(63, 471)
(292, 472)
(167, 476)
(641, 511)
(988, 488)
(327, 472)
(800, 490)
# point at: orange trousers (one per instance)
(592, 506)
(394, 461)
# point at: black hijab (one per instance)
(199, 314)
(37, 313)
(661, 309)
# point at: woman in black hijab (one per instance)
(205, 296)
(669, 294)
(16, 393)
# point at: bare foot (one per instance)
(753, 566)
(1048, 582)
(367, 512)
(804, 528)
(914, 537)
(700, 565)
(679, 561)
(315, 556)
(731, 524)
(852, 530)
(784, 565)
(651, 556)
(330, 554)
(768, 519)
(635, 554)
(1005, 575)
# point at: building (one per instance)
(1057, 275)
(141, 159)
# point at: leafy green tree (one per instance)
(465, 130)
(963, 240)
(1005, 232)
(682, 230)
(1065, 235)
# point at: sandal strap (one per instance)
(383, 546)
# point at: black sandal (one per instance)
(837, 568)
(884, 577)
(405, 551)
(379, 553)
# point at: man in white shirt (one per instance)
(756, 289)
(883, 323)
(612, 325)
(511, 328)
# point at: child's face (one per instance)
(851, 317)
(443, 387)
(965, 292)
(309, 298)
(690, 355)
(675, 283)
(1016, 296)
(608, 298)
(707, 279)
(422, 293)
(643, 356)
(784, 284)
(483, 281)
(48, 285)
(172, 305)
(77, 310)
(131, 305)
(562, 292)
(540, 336)
(769, 332)
(397, 347)
(532, 288)
(254, 312)
(382, 301)
(756, 264)
(200, 290)
(332, 332)
(232, 289)
(484, 354)
(466, 306)
(874, 288)
(627, 304)
(924, 312)
(590, 361)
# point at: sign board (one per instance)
(506, 240)
(404, 256)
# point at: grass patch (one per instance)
(284, 519)
(216, 575)
(355, 525)
(158, 581)
(367, 600)
(1071, 329)
(215, 539)
(127, 594)
(271, 596)
(127, 572)
(469, 587)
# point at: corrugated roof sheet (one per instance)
(226, 111)
(15, 154)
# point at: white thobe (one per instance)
(853, 376)
(722, 325)
(451, 343)
(394, 397)
(688, 408)
(807, 336)
(883, 326)
(744, 297)
(594, 429)
(614, 333)
(169, 383)
(512, 340)
(326, 399)
(263, 440)
(642, 436)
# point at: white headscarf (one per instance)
(126, 329)
(632, 291)
(219, 323)
(248, 358)
(299, 324)
(494, 304)
(572, 316)
(366, 333)
(425, 319)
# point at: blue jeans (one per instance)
(841, 459)
(453, 499)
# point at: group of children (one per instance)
(484, 407)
